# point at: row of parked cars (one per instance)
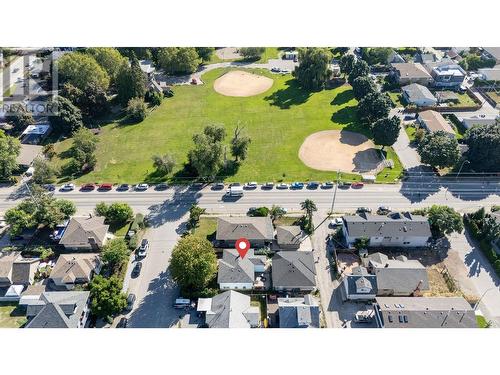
(313, 185)
(105, 187)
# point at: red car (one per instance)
(105, 187)
(87, 187)
(357, 185)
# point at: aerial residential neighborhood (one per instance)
(250, 187)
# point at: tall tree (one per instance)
(252, 53)
(363, 86)
(67, 118)
(373, 107)
(386, 131)
(444, 220)
(193, 264)
(130, 81)
(44, 171)
(164, 164)
(117, 213)
(207, 155)
(92, 100)
(376, 56)
(83, 149)
(194, 215)
(276, 212)
(313, 72)
(309, 207)
(346, 63)
(10, 148)
(178, 60)
(359, 69)
(106, 295)
(136, 109)
(484, 145)
(205, 53)
(239, 144)
(439, 150)
(108, 58)
(81, 69)
(114, 253)
(19, 117)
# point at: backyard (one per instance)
(206, 228)
(277, 121)
(10, 316)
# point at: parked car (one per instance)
(363, 316)
(218, 186)
(268, 185)
(182, 303)
(142, 187)
(162, 186)
(87, 187)
(327, 185)
(275, 69)
(285, 71)
(143, 248)
(251, 185)
(49, 187)
(297, 185)
(130, 302)
(383, 210)
(123, 323)
(196, 185)
(105, 187)
(137, 270)
(234, 184)
(357, 185)
(336, 222)
(67, 187)
(282, 186)
(344, 185)
(122, 187)
(363, 209)
(313, 185)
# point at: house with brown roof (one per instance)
(73, 269)
(408, 73)
(16, 270)
(434, 121)
(85, 233)
(258, 231)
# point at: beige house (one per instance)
(16, 270)
(408, 73)
(433, 121)
(85, 233)
(72, 269)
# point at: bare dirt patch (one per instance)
(242, 84)
(333, 150)
(228, 53)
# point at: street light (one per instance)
(460, 170)
(486, 291)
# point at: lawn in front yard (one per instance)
(10, 316)
(277, 121)
(396, 98)
(206, 228)
(410, 130)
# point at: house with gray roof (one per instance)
(492, 53)
(16, 270)
(258, 230)
(298, 312)
(293, 271)
(394, 230)
(73, 269)
(418, 95)
(58, 310)
(424, 312)
(448, 75)
(229, 310)
(288, 237)
(85, 233)
(240, 273)
(359, 285)
(397, 277)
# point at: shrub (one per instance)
(260, 211)
(136, 109)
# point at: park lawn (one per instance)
(390, 175)
(10, 317)
(269, 53)
(277, 121)
(206, 228)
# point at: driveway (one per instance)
(475, 274)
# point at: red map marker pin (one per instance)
(242, 246)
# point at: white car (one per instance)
(142, 187)
(67, 187)
(336, 222)
(251, 185)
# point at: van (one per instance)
(181, 303)
(235, 191)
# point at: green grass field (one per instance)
(10, 316)
(277, 121)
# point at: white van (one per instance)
(235, 191)
(181, 303)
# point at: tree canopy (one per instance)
(92, 100)
(313, 72)
(205, 53)
(19, 117)
(109, 59)
(373, 107)
(207, 155)
(445, 220)
(376, 56)
(81, 69)
(115, 213)
(178, 60)
(439, 150)
(136, 109)
(240, 144)
(484, 147)
(106, 296)
(193, 264)
(309, 207)
(346, 63)
(386, 131)
(252, 53)
(363, 86)
(115, 252)
(130, 81)
(164, 164)
(83, 149)
(44, 171)
(67, 117)
(10, 148)
(359, 69)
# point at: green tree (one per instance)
(44, 171)
(205, 53)
(19, 117)
(313, 72)
(207, 155)
(101, 209)
(309, 207)
(363, 86)
(439, 150)
(346, 64)
(361, 243)
(115, 213)
(18, 220)
(276, 212)
(239, 144)
(445, 220)
(376, 56)
(252, 53)
(193, 264)
(115, 253)
(373, 107)
(81, 69)
(130, 81)
(136, 109)
(109, 59)
(10, 148)
(92, 100)
(359, 69)
(67, 117)
(194, 215)
(83, 149)
(178, 60)
(483, 143)
(106, 296)
(164, 164)
(386, 131)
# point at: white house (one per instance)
(393, 230)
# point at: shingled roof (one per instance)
(293, 269)
(232, 310)
(252, 228)
(80, 229)
(392, 225)
(288, 235)
(234, 269)
(72, 267)
(300, 312)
